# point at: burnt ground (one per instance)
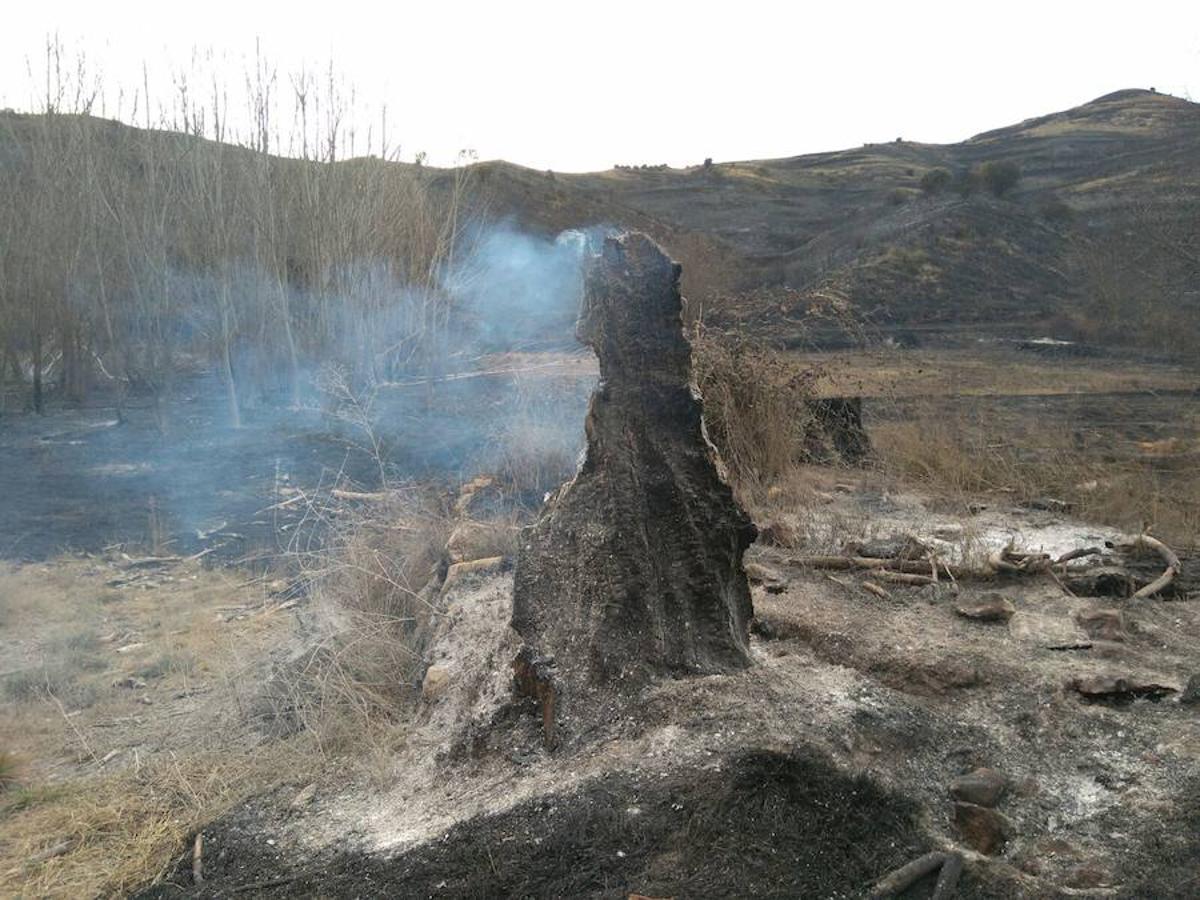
(78, 481)
(854, 703)
(811, 774)
(753, 825)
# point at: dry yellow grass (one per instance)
(110, 778)
(910, 373)
(957, 459)
(105, 835)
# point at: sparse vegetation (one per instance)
(111, 834)
(755, 407)
(150, 250)
(936, 180)
(1000, 177)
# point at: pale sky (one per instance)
(574, 87)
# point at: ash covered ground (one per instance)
(842, 753)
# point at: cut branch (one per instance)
(1174, 566)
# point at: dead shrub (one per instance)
(536, 445)
(757, 406)
(473, 539)
(375, 585)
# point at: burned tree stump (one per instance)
(634, 568)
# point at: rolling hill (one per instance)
(1117, 178)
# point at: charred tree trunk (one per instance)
(634, 568)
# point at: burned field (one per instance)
(926, 672)
(407, 593)
(853, 743)
(83, 481)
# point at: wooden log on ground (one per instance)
(947, 882)
(900, 879)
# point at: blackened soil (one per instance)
(1166, 861)
(75, 480)
(763, 824)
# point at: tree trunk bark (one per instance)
(634, 569)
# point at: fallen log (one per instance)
(150, 562)
(1006, 559)
(1102, 578)
(947, 882)
(892, 884)
(909, 566)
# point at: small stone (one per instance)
(1102, 624)
(1118, 688)
(983, 829)
(129, 682)
(986, 608)
(983, 787)
(436, 680)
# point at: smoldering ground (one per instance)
(163, 461)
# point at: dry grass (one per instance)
(755, 407)
(893, 372)
(965, 460)
(106, 835)
(101, 782)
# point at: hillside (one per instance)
(856, 224)
(1094, 240)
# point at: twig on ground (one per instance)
(902, 577)
(876, 590)
(66, 718)
(198, 859)
(367, 497)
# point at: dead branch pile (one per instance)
(1114, 568)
